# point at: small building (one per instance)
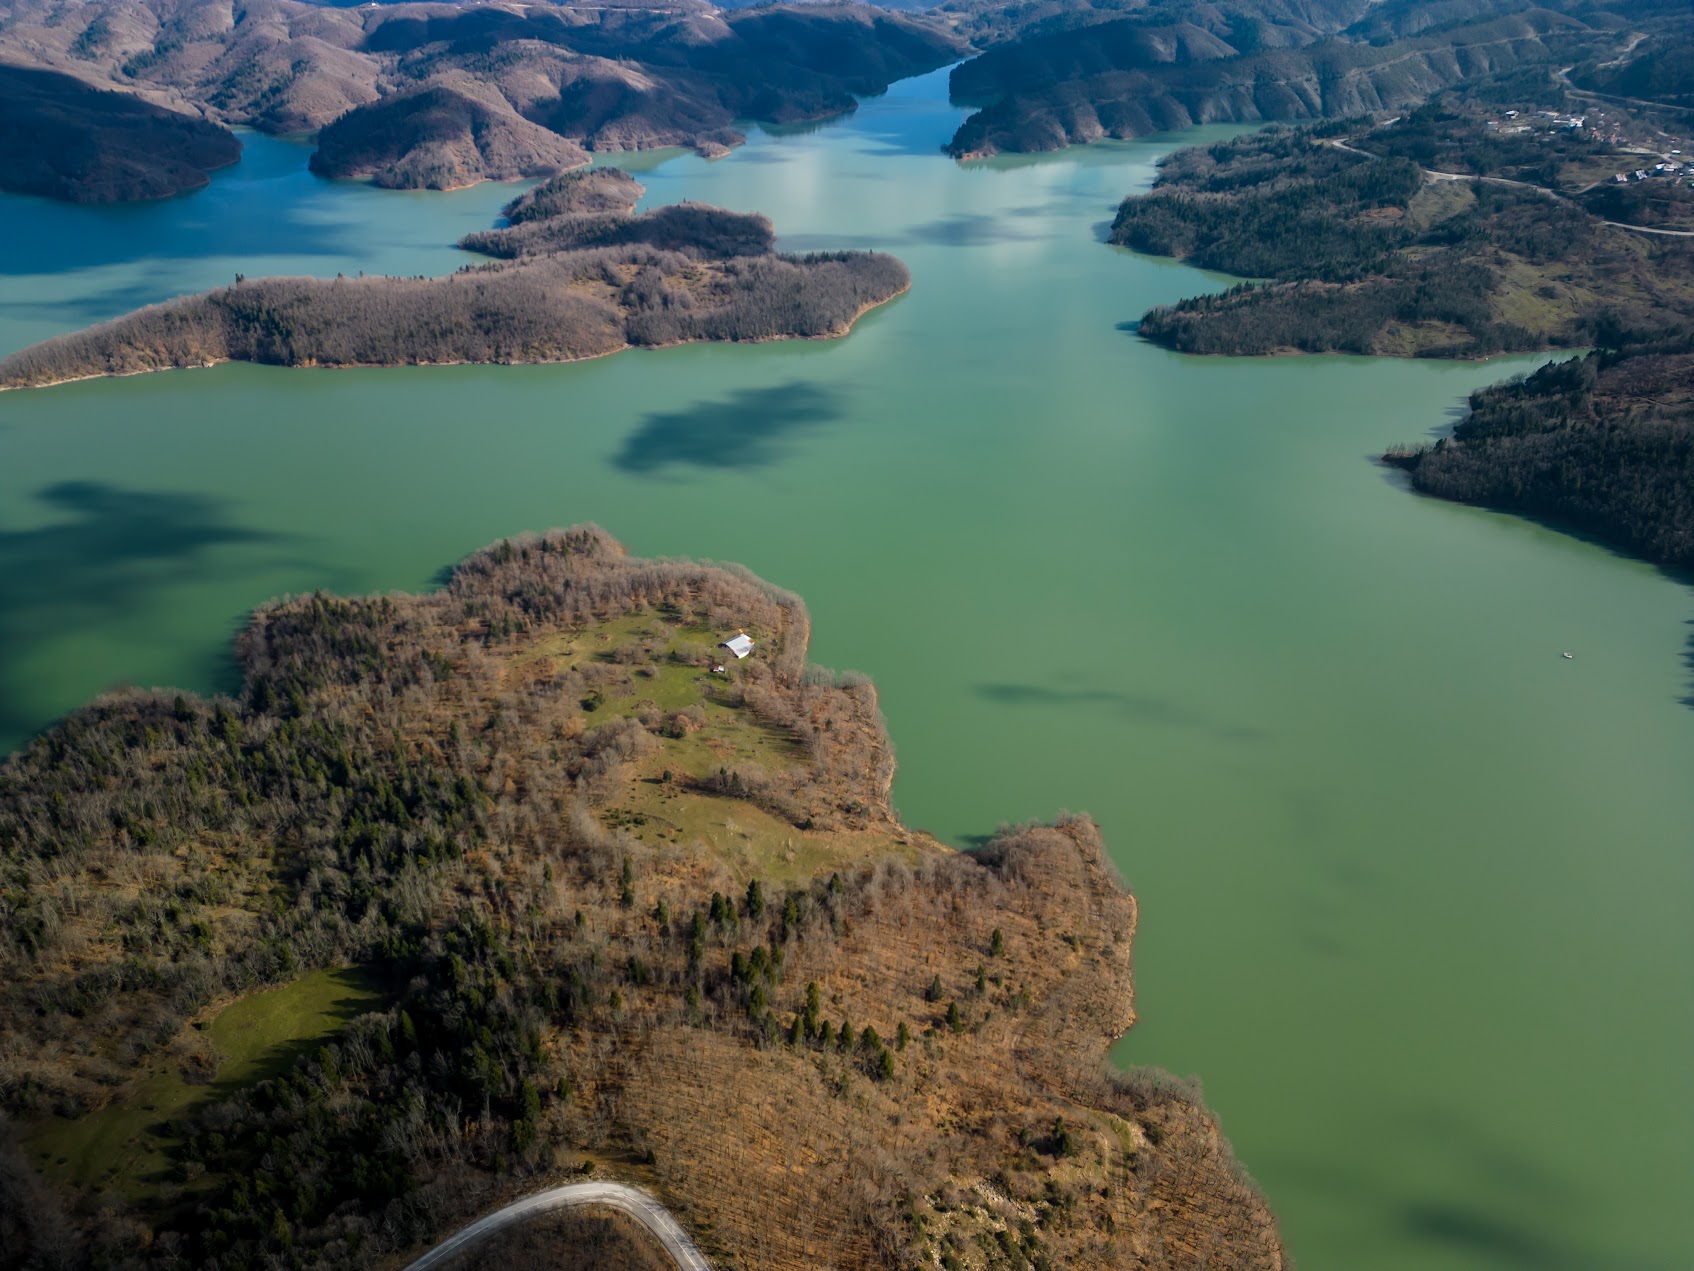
(740, 645)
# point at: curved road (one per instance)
(620, 1196)
(1431, 174)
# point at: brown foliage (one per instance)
(427, 784)
(594, 287)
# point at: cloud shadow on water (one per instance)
(962, 229)
(967, 229)
(1687, 699)
(1140, 707)
(1493, 1241)
(742, 431)
(1483, 1217)
(96, 567)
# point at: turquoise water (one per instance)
(1415, 889)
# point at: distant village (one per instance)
(1669, 166)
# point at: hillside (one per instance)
(438, 95)
(66, 140)
(571, 286)
(1362, 252)
(1659, 69)
(440, 139)
(624, 905)
(1247, 25)
(1129, 79)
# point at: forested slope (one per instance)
(1361, 253)
(1604, 444)
(628, 913)
(66, 140)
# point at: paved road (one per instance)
(1433, 175)
(1648, 229)
(620, 1196)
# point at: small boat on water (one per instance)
(1568, 654)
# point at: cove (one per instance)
(1415, 889)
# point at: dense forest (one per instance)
(1603, 444)
(440, 96)
(66, 140)
(630, 914)
(1362, 254)
(575, 285)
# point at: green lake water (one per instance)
(1416, 890)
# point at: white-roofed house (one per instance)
(740, 645)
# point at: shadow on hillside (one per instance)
(742, 431)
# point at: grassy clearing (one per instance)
(672, 672)
(667, 686)
(1439, 201)
(674, 675)
(125, 1146)
(752, 842)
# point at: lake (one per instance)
(1415, 888)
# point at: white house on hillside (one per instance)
(740, 645)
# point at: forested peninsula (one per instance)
(1459, 231)
(589, 896)
(573, 282)
(67, 140)
(1604, 444)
